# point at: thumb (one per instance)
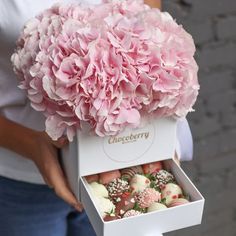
(60, 143)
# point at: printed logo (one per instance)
(132, 137)
(129, 145)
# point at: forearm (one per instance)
(17, 138)
(153, 3)
(42, 151)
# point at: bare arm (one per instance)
(17, 138)
(39, 148)
(153, 3)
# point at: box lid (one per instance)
(155, 141)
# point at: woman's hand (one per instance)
(46, 159)
(38, 147)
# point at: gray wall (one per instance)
(213, 26)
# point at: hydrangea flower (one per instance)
(108, 65)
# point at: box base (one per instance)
(69, 163)
(155, 223)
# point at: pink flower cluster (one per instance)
(107, 65)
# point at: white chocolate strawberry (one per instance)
(171, 192)
(156, 206)
(104, 206)
(138, 183)
(98, 190)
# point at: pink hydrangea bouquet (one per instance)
(108, 65)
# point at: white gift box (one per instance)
(155, 141)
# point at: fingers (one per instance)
(60, 185)
(62, 191)
(54, 177)
(60, 143)
(47, 182)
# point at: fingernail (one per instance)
(78, 207)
